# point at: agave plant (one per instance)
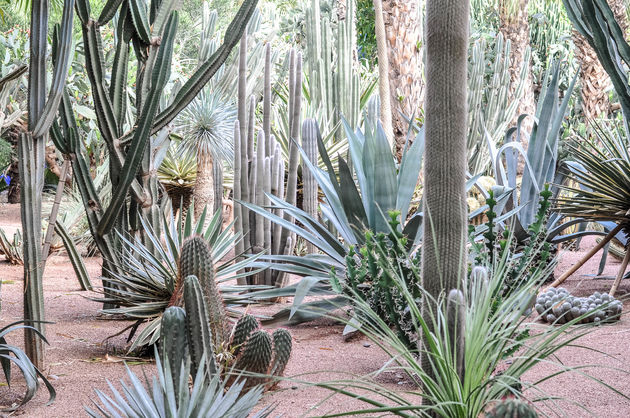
(10, 354)
(159, 397)
(177, 174)
(150, 277)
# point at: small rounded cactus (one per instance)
(559, 306)
(512, 408)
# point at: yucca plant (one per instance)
(165, 397)
(177, 175)
(600, 168)
(150, 275)
(13, 356)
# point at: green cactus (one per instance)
(198, 327)
(512, 408)
(254, 349)
(174, 341)
(255, 356)
(282, 344)
(310, 133)
(196, 260)
(243, 328)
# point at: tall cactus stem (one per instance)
(174, 341)
(295, 100)
(196, 260)
(267, 100)
(309, 202)
(217, 178)
(199, 334)
(445, 210)
(261, 177)
(267, 222)
(253, 177)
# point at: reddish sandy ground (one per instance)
(79, 359)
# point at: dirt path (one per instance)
(79, 360)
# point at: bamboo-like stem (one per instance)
(52, 220)
(622, 270)
(586, 257)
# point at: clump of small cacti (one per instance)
(370, 270)
(512, 408)
(193, 331)
(559, 306)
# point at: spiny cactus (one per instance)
(198, 326)
(255, 356)
(196, 260)
(369, 276)
(245, 326)
(559, 306)
(282, 344)
(174, 341)
(512, 408)
(253, 349)
(259, 169)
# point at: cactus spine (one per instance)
(282, 344)
(445, 226)
(255, 356)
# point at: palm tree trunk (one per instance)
(594, 81)
(203, 192)
(403, 31)
(515, 28)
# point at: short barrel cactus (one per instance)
(512, 408)
(558, 306)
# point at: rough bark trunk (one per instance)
(403, 29)
(515, 28)
(203, 192)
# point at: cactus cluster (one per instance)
(559, 306)
(370, 272)
(259, 166)
(200, 329)
(512, 408)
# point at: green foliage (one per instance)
(11, 356)
(370, 269)
(5, 155)
(366, 35)
(493, 327)
(163, 397)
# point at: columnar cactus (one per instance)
(310, 134)
(196, 260)
(259, 167)
(189, 333)
(445, 163)
(512, 408)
